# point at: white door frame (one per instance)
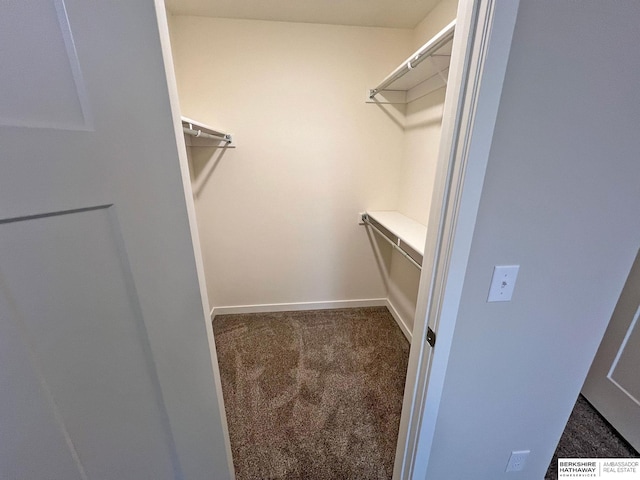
(172, 87)
(482, 42)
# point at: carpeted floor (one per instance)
(588, 435)
(314, 395)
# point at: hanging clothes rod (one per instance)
(392, 239)
(193, 128)
(427, 50)
(224, 137)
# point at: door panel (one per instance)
(613, 383)
(106, 369)
(33, 436)
(81, 321)
(47, 90)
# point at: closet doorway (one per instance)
(280, 207)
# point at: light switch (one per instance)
(503, 283)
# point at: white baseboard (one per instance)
(399, 320)
(301, 306)
(288, 307)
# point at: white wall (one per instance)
(441, 15)
(278, 215)
(560, 198)
(423, 119)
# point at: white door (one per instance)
(613, 383)
(105, 366)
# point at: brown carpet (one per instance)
(313, 395)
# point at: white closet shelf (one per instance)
(420, 74)
(406, 235)
(199, 134)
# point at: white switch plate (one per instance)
(503, 283)
(517, 460)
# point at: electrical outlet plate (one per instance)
(503, 283)
(517, 460)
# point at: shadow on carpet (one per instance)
(315, 394)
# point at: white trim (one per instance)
(298, 306)
(623, 345)
(480, 54)
(399, 320)
(172, 88)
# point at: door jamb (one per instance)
(172, 87)
(484, 32)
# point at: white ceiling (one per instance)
(368, 13)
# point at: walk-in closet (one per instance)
(313, 145)
(324, 123)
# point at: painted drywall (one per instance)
(278, 215)
(375, 13)
(441, 15)
(423, 119)
(560, 199)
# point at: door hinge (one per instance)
(431, 337)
